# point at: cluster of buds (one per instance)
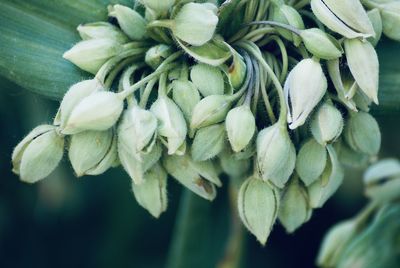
(254, 90)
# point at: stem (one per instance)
(146, 94)
(277, 24)
(161, 23)
(265, 96)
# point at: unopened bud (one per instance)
(321, 44)
(90, 55)
(208, 142)
(311, 161)
(390, 13)
(210, 110)
(232, 166)
(237, 71)
(186, 96)
(376, 20)
(131, 22)
(157, 54)
(276, 155)
(208, 79)
(157, 5)
(288, 15)
(99, 30)
(240, 126)
(327, 124)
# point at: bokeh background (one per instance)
(95, 221)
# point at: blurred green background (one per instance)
(95, 221)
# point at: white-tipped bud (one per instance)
(305, 86)
(321, 44)
(276, 155)
(152, 193)
(98, 111)
(90, 55)
(210, 110)
(38, 154)
(131, 22)
(240, 126)
(364, 66)
(171, 122)
(327, 124)
(195, 23)
(347, 18)
(258, 204)
(157, 54)
(89, 152)
(208, 79)
(74, 95)
(311, 161)
(186, 96)
(100, 30)
(362, 133)
(208, 142)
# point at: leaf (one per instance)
(33, 36)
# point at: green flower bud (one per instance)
(157, 5)
(364, 66)
(195, 23)
(137, 164)
(321, 44)
(311, 161)
(199, 177)
(321, 190)
(294, 210)
(349, 157)
(74, 95)
(376, 20)
(90, 55)
(327, 124)
(382, 181)
(237, 71)
(137, 129)
(208, 142)
(208, 79)
(258, 204)
(240, 126)
(131, 22)
(98, 111)
(38, 154)
(288, 15)
(210, 110)
(304, 88)
(186, 96)
(152, 193)
(362, 133)
(88, 150)
(232, 166)
(334, 243)
(390, 13)
(171, 123)
(276, 155)
(362, 101)
(100, 30)
(157, 54)
(347, 18)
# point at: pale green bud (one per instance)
(137, 164)
(237, 71)
(171, 123)
(390, 13)
(232, 166)
(88, 149)
(38, 154)
(157, 54)
(195, 24)
(131, 22)
(294, 210)
(137, 129)
(199, 177)
(258, 204)
(376, 20)
(347, 18)
(362, 133)
(90, 55)
(74, 95)
(288, 15)
(364, 66)
(327, 124)
(321, 190)
(99, 30)
(186, 96)
(334, 243)
(276, 155)
(362, 101)
(158, 5)
(98, 111)
(152, 193)
(382, 181)
(304, 88)
(208, 142)
(321, 44)
(240, 126)
(210, 110)
(208, 79)
(349, 157)
(311, 161)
